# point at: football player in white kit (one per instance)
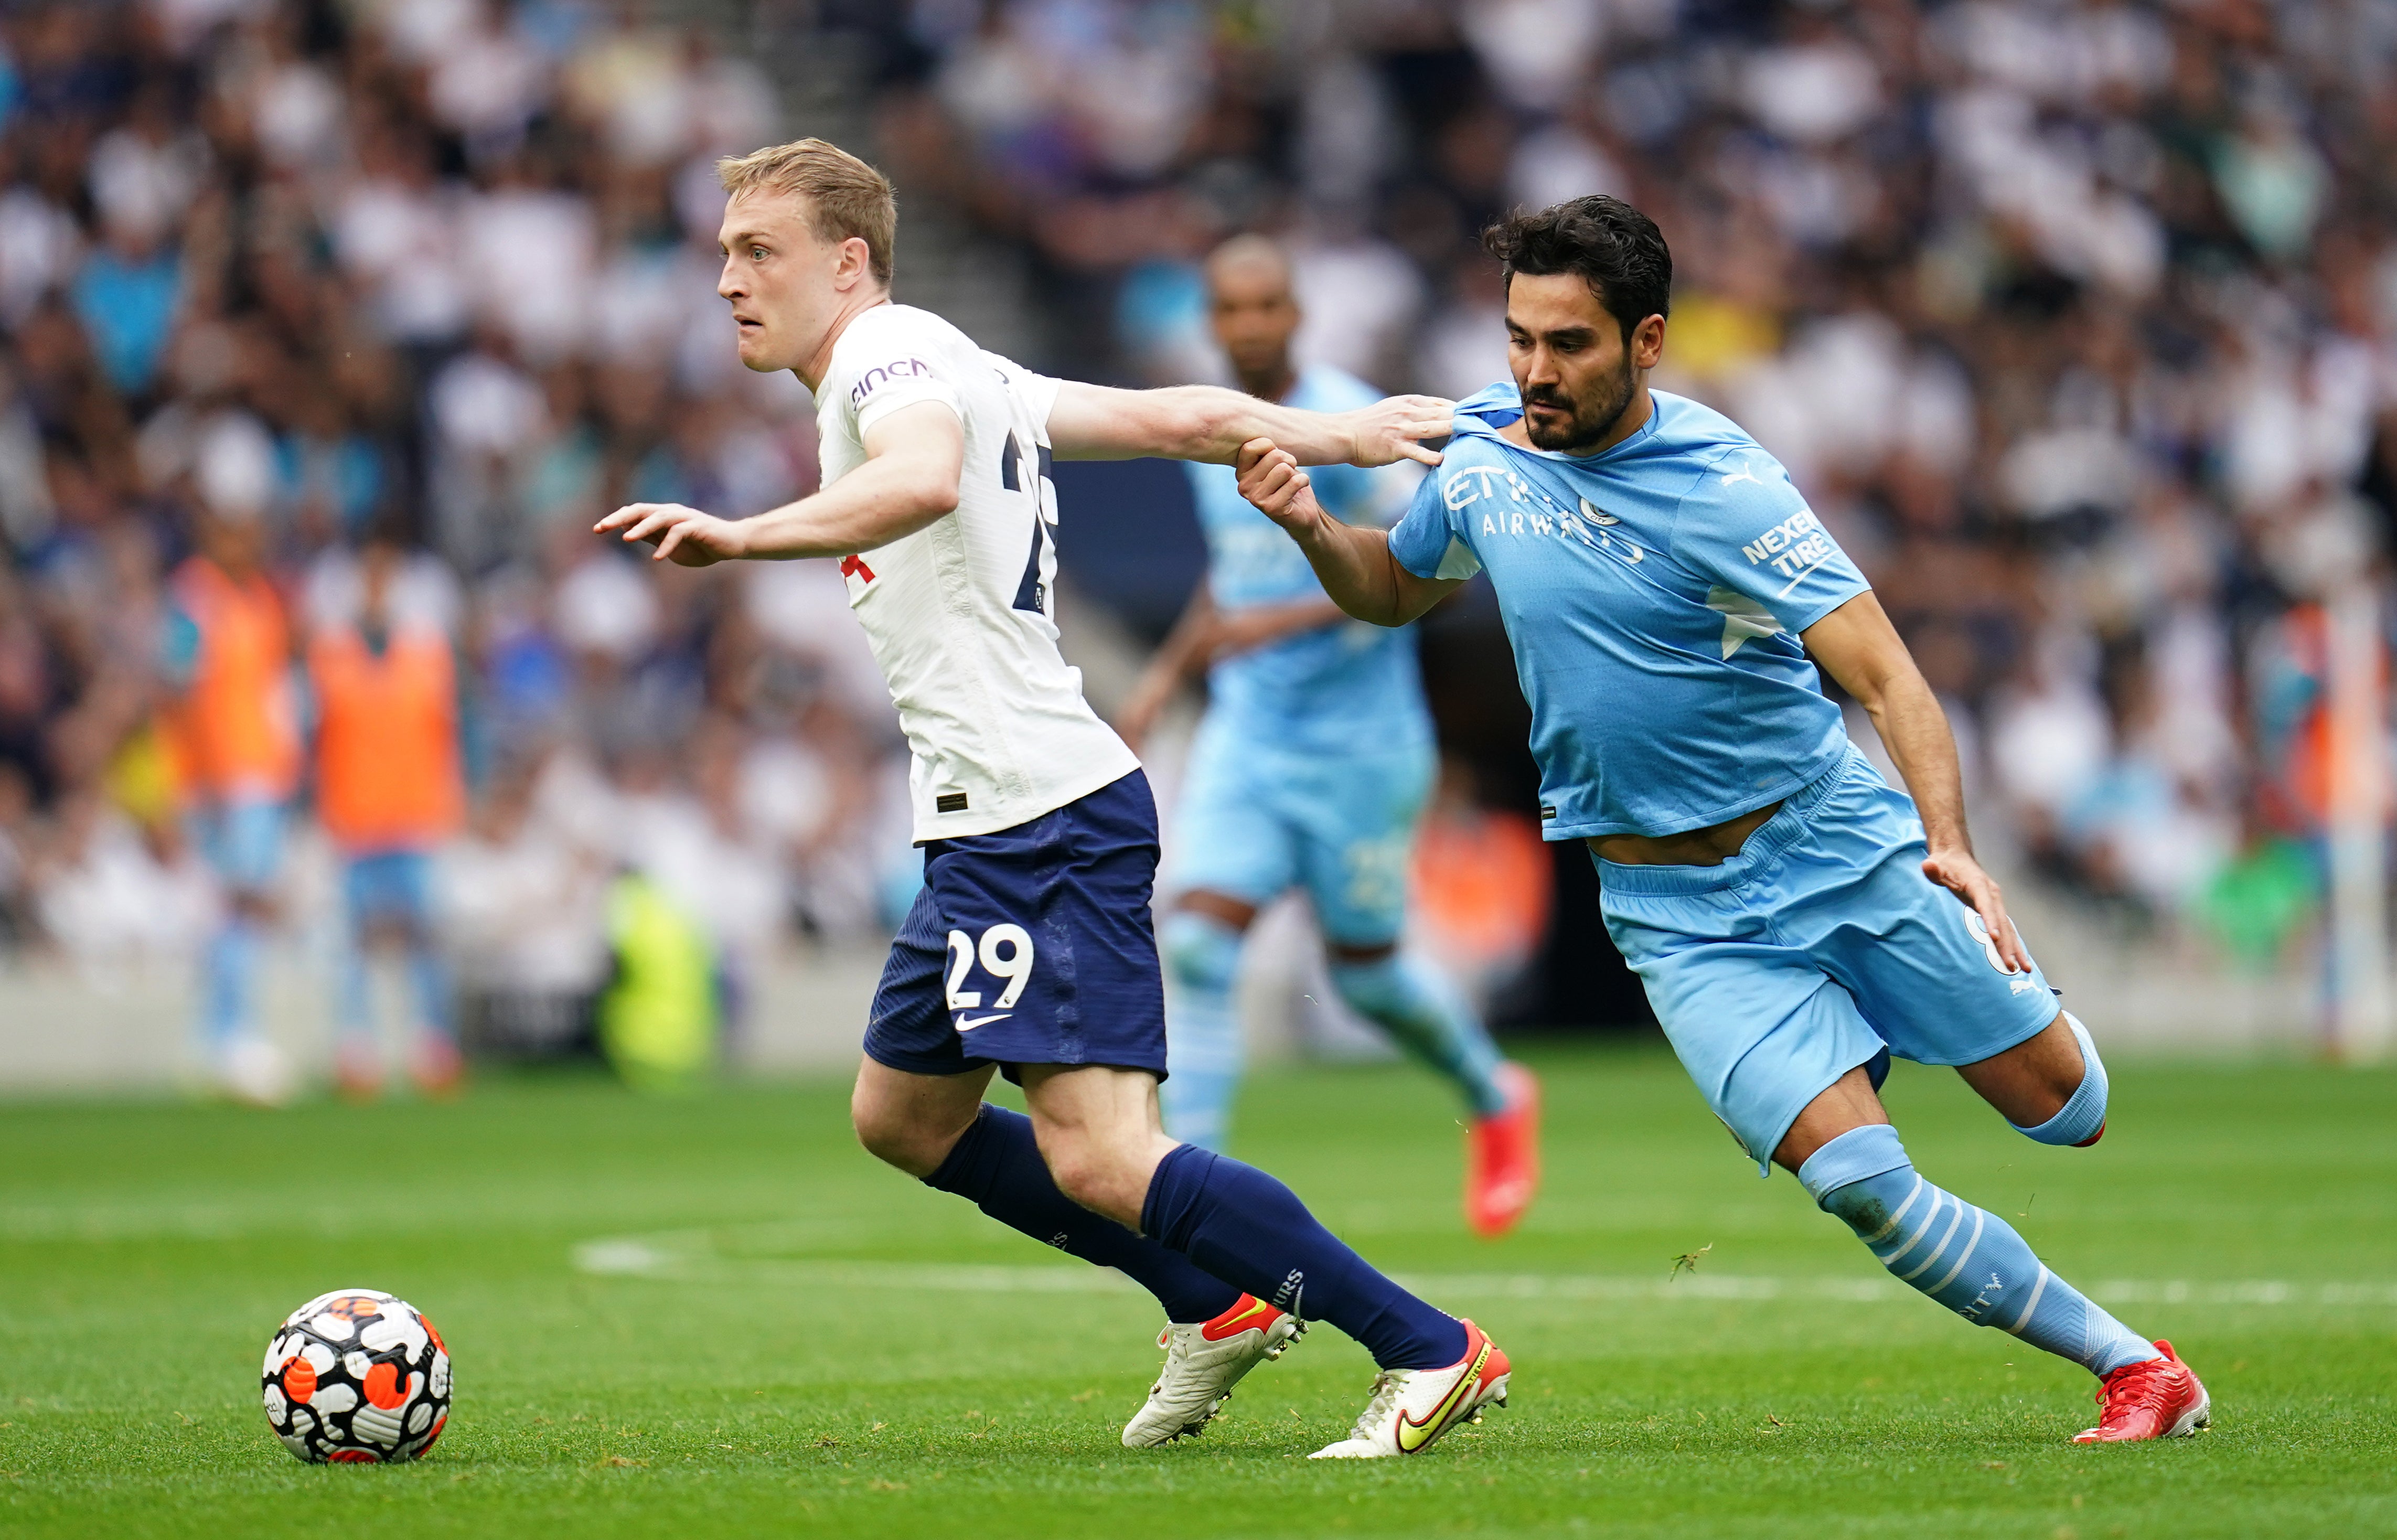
(1031, 948)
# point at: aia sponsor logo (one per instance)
(882, 374)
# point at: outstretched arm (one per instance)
(913, 460)
(1354, 564)
(1204, 634)
(1857, 646)
(1183, 654)
(1240, 631)
(1210, 423)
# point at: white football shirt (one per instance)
(960, 614)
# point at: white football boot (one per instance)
(1412, 1407)
(1203, 1360)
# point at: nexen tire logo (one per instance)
(882, 374)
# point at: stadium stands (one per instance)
(2078, 323)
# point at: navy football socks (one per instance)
(1239, 1224)
(996, 1164)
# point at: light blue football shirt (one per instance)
(1336, 690)
(1652, 595)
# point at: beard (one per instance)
(1592, 417)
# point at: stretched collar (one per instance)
(1487, 410)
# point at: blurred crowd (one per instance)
(326, 330)
(328, 326)
(2076, 319)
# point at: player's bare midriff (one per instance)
(1707, 847)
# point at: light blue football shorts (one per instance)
(1819, 947)
(1256, 820)
(241, 839)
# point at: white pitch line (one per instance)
(637, 1258)
(629, 1258)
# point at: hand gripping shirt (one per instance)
(962, 614)
(1342, 686)
(1653, 595)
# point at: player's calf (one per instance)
(1240, 1224)
(1966, 1258)
(996, 1166)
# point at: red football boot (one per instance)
(1502, 1161)
(440, 1069)
(2159, 1399)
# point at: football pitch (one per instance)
(718, 1317)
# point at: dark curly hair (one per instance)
(1617, 250)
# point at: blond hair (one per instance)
(846, 198)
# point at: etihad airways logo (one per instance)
(1531, 511)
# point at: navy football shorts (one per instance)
(1032, 945)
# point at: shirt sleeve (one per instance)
(1427, 542)
(1036, 390)
(896, 366)
(1749, 529)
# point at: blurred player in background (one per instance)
(389, 790)
(1031, 945)
(232, 730)
(1309, 770)
(1795, 920)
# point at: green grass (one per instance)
(794, 1350)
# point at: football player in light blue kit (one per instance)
(1310, 770)
(1795, 920)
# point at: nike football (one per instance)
(356, 1377)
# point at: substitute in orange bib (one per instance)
(233, 734)
(389, 790)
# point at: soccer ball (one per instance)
(356, 1377)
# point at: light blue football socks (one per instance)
(1425, 1015)
(1203, 1052)
(2082, 1118)
(1421, 1012)
(1966, 1258)
(229, 981)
